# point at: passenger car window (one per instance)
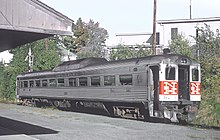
(83, 81)
(31, 83)
(52, 83)
(44, 83)
(25, 84)
(95, 81)
(21, 84)
(72, 82)
(60, 83)
(170, 73)
(125, 79)
(109, 80)
(37, 83)
(195, 75)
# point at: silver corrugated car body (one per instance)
(165, 86)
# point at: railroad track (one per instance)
(96, 111)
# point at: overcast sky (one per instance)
(132, 16)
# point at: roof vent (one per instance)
(166, 51)
(77, 64)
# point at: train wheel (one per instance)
(109, 109)
(182, 122)
(56, 104)
(37, 104)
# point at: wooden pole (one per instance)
(46, 43)
(154, 27)
(190, 10)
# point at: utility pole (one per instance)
(190, 9)
(154, 27)
(46, 43)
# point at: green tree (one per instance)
(207, 50)
(88, 39)
(81, 35)
(209, 112)
(180, 45)
(2, 69)
(126, 52)
(208, 42)
(15, 67)
(142, 51)
(44, 58)
(95, 42)
(121, 52)
(18, 60)
(208, 46)
(79, 39)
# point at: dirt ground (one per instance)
(30, 123)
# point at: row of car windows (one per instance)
(171, 73)
(80, 81)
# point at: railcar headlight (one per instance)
(183, 60)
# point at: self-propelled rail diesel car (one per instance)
(164, 86)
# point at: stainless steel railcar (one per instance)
(164, 86)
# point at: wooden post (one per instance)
(154, 27)
(190, 10)
(46, 43)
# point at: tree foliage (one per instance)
(209, 113)
(208, 42)
(15, 67)
(125, 52)
(207, 52)
(2, 68)
(44, 59)
(88, 39)
(208, 45)
(180, 45)
(95, 43)
(79, 39)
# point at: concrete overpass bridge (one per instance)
(25, 21)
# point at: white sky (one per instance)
(132, 16)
